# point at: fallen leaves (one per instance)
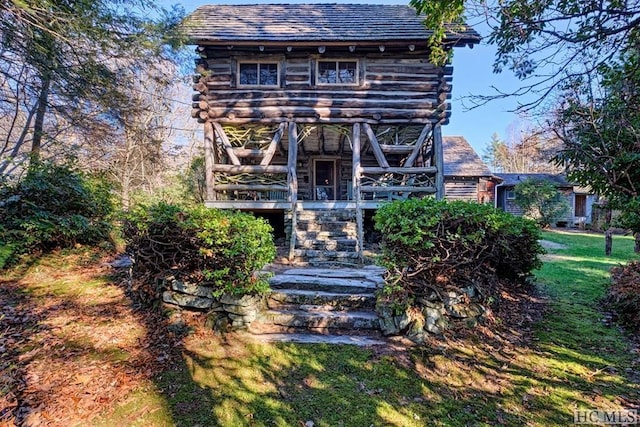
(71, 351)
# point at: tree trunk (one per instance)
(38, 125)
(636, 248)
(608, 241)
(608, 234)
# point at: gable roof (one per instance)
(460, 159)
(512, 179)
(338, 23)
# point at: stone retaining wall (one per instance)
(228, 312)
(433, 314)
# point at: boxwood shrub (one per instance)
(434, 244)
(210, 247)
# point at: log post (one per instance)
(209, 161)
(373, 141)
(419, 143)
(439, 161)
(356, 188)
(226, 144)
(273, 146)
(292, 181)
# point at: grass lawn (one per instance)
(82, 355)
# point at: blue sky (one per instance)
(472, 74)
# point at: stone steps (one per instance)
(322, 320)
(343, 244)
(304, 298)
(327, 258)
(326, 237)
(318, 339)
(331, 305)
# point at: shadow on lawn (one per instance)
(64, 359)
(528, 370)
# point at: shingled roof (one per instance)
(460, 159)
(314, 23)
(512, 179)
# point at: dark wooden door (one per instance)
(324, 173)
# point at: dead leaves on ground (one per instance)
(71, 352)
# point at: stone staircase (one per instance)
(322, 305)
(326, 237)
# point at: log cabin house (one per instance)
(317, 113)
(466, 176)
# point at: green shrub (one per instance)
(436, 244)
(220, 249)
(541, 201)
(53, 206)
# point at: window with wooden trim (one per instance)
(258, 74)
(337, 73)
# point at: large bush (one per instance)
(437, 244)
(53, 206)
(215, 248)
(541, 201)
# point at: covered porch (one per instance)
(302, 168)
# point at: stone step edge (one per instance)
(320, 319)
(345, 286)
(317, 339)
(285, 293)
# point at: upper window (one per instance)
(511, 195)
(258, 74)
(337, 72)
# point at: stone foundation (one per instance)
(228, 312)
(433, 314)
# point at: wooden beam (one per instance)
(209, 161)
(439, 161)
(419, 143)
(292, 181)
(250, 187)
(405, 170)
(259, 169)
(215, 113)
(226, 144)
(396, 189)
(356, 188)
(396, 149)
(377, 151)
(327, 120)
(247, 152)
(273, 146)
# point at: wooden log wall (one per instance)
(392, 88)
(462, 189)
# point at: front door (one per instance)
(324, 173)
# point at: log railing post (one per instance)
(356, 188)
(209, 161)
(439, 161)
(292, 182)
